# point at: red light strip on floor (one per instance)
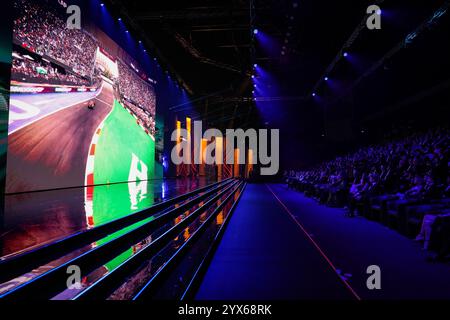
(315, 245)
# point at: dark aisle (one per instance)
(354, 244)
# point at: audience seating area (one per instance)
(403, 184)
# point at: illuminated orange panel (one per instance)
(189, 154)
(202, 157)
(178, 146)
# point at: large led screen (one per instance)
(82, 111)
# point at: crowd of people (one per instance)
(416, 167)
(24, 69)
(43, 31)
(136, 89)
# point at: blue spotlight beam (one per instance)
(347, 44)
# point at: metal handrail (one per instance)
(149, 288)
(104, 286)
(18, 265)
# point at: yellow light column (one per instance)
(201, 169)
(178, 145)
(219, 156)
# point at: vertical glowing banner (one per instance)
(249, 163)
(178, 146)
(202, 157)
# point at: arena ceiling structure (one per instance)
(213, 49)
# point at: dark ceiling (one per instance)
(210, 46)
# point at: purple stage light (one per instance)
(326, 78)
(345, 54)
(255, 31)
(255, 65)
(314, 94)
(379, 12)
(120, 19)
(102, 4)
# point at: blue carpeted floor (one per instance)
(265, 254)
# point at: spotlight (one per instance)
(140, 41)
(314, 94)
(102, 4)
(379, 12)
(345, 54)
(255, 65)
(126, 31)
(255, 31)
(120, 19)
(326, 78)
(253, 76)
